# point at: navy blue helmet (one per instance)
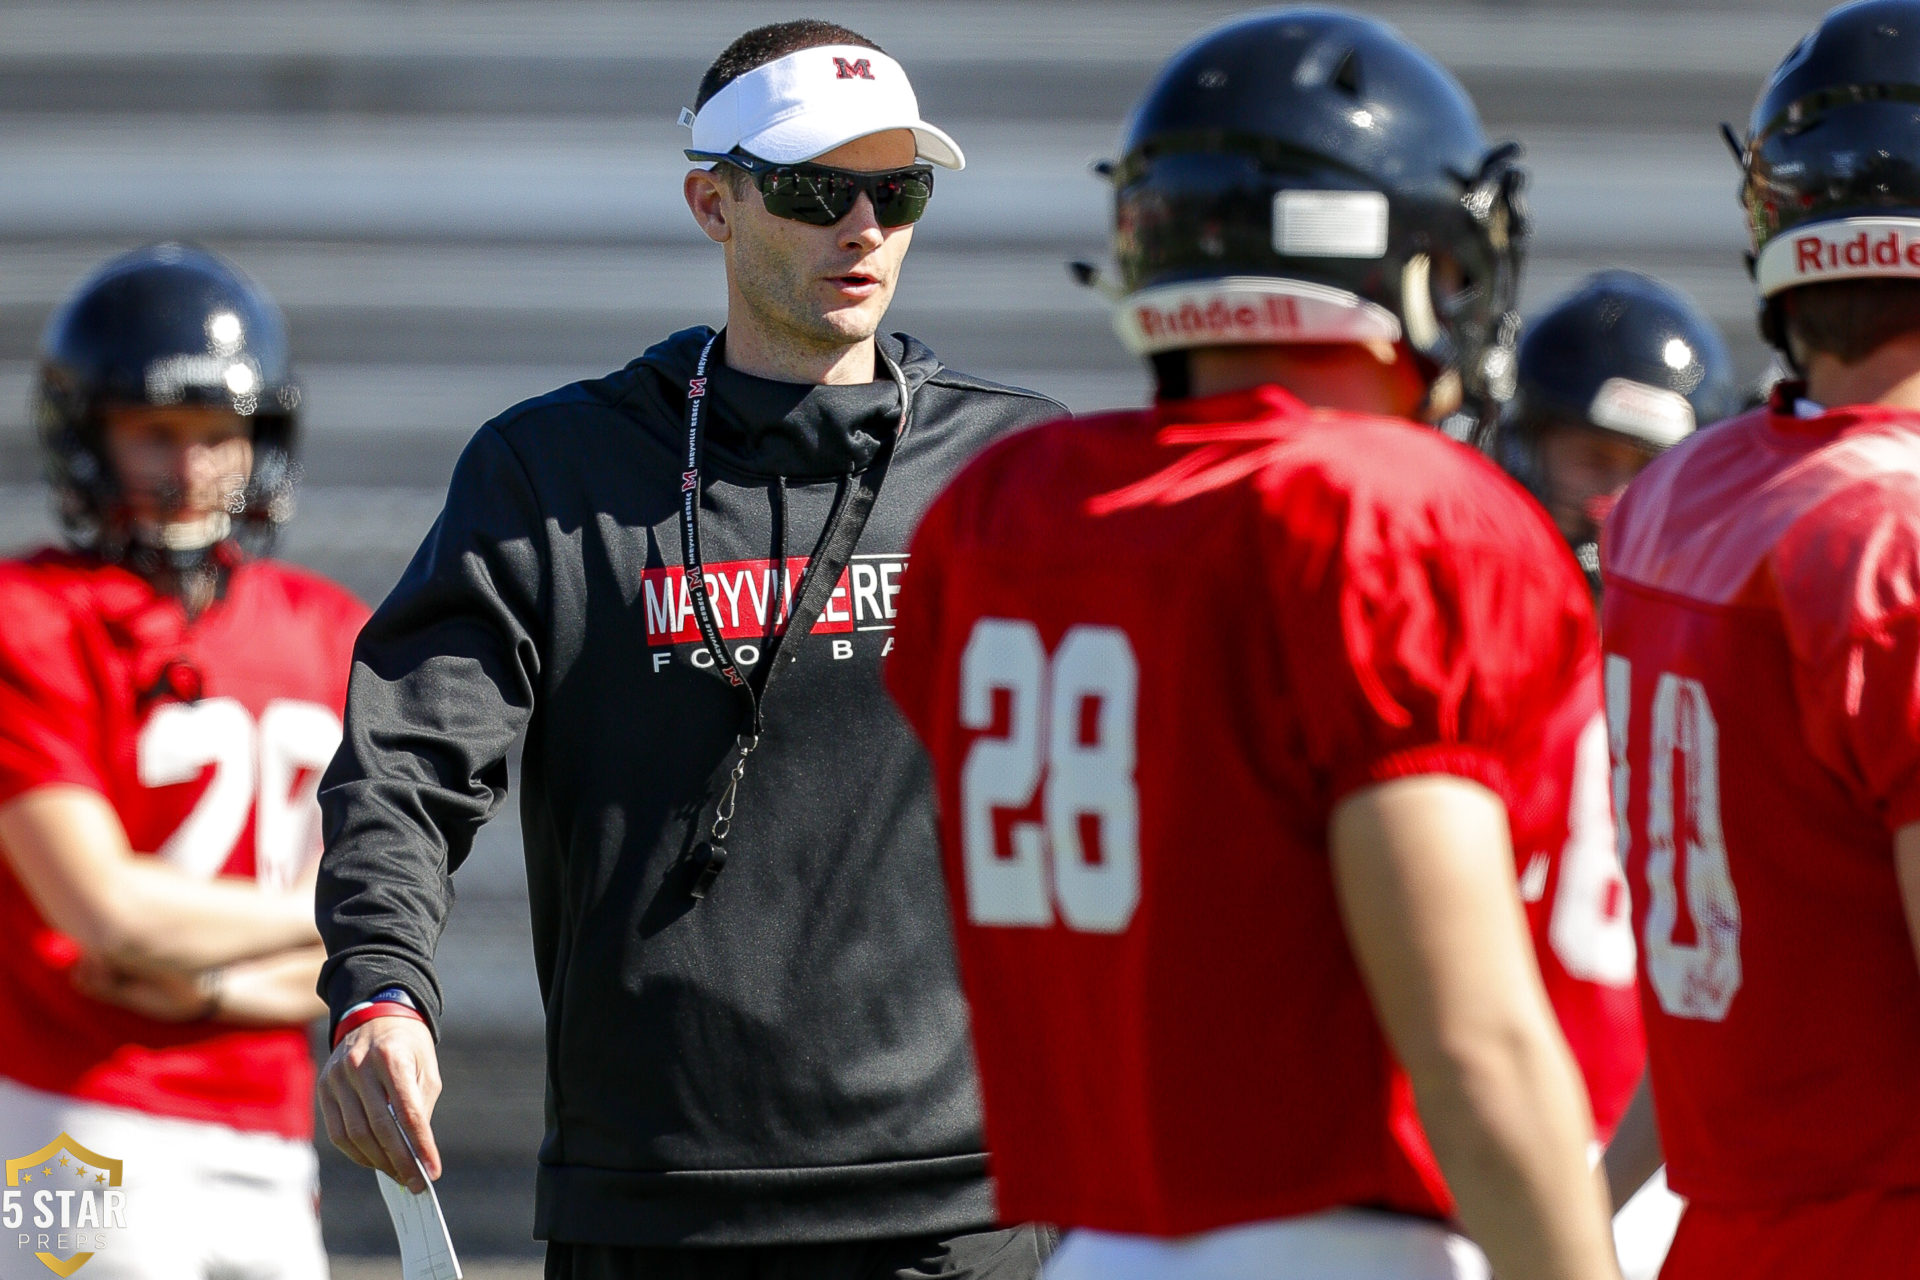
(169, 324)
(1308, 175)
(1625, 354)
(1624, 357)
(1831, 159)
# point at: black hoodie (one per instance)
(786, 1060)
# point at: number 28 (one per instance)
(1071, 740)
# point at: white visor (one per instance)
(807, 103)
(1247, 309)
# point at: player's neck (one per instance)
(1889, 377)
(1355, 377)
(754, 348)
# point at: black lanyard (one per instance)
(852, 504)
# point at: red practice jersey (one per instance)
(1576, 899)
(208, 739)
(1149, 653)
(1763, 691)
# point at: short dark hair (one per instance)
(1851, 319)
(771, 43)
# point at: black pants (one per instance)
(1013, 1254)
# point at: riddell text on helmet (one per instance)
(1845, 248)
(1263, 318)
(1816, 255)
(1239, 309)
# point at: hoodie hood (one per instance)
(794, 429)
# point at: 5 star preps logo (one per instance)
(60, 1204)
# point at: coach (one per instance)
(679, 581)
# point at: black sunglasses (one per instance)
(820, 195)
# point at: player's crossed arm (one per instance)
(273, 991)
(70, 851)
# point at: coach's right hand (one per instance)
(385, 1060)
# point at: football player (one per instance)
(167, 700)
(1610, 375)
(1762, 637)
(1232, 703)
(1620, 369)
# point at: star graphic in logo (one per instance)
(47, 1170)
(26, 1177)
(99, 1177)
(63, 1160)
(81, 1172)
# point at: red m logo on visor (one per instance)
(859, 69)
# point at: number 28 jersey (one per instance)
(1762, 640)
(1149, 654)
(208, 740)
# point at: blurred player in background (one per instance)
(167, 699)
(1762, 634)
(1230, 701)
(1619, 369)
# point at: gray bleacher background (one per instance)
(464, 204)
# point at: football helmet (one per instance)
(168, 324)
(1623, 356)
(1831, 160)
(1307, 175)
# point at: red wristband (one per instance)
(368, 1012)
